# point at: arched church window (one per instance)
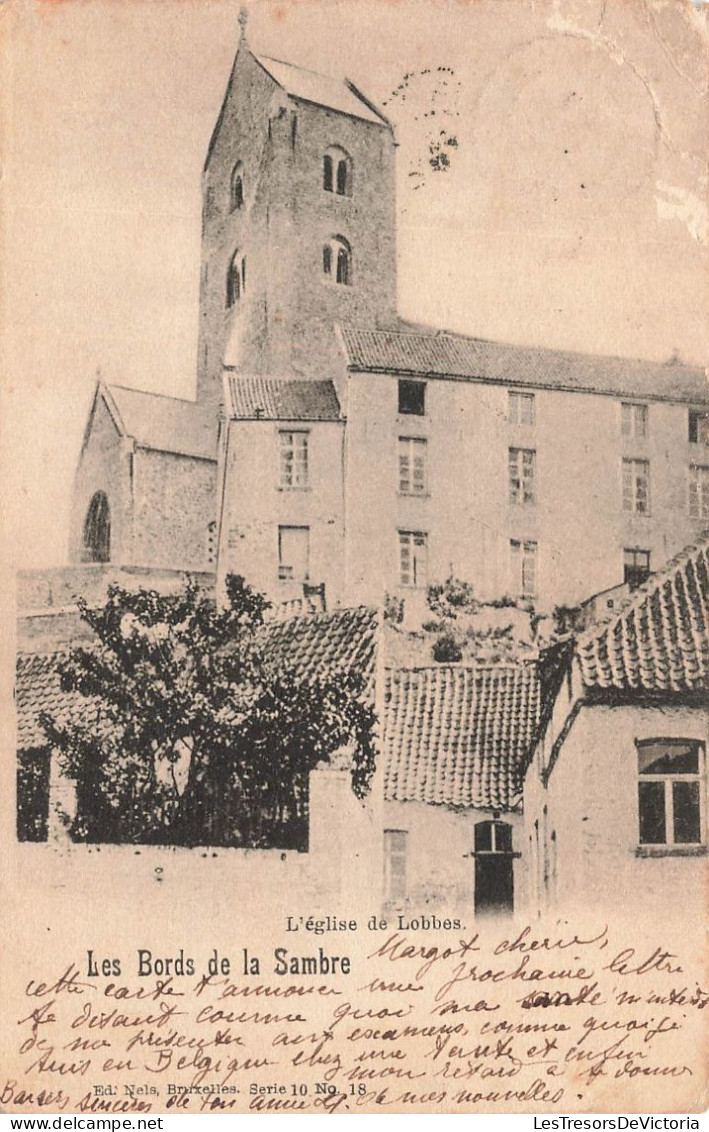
(237, 186)
(236, 279)
(337, 261)
(97, 530)
(337, 172)
(327, 173)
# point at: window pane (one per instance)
(685, 803)
(293, 553)
(520, 408)
(343, 266)
(412, 397)
(327, 173)
(651, 801)
(503, 837)
(668, 758)
(698, 491)
(395, 857)
(698, 427)
(483, 837)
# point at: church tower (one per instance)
(298, 227)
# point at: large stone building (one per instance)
(336, 454)
(333, 445)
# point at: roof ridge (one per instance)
(150, 393)
(454, 335)
(297, 67)
(465, 666)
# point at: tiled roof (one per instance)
(659, 640)
(335, 94)
(166, 424)
(275, 399)
(457, 356)
(457, 735)
(37, 690)
(342, 640)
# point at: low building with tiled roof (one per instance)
(615, 795)
(454, 741)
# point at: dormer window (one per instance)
(237, 187)
(337, 172)
(337, 261)
(236, 279)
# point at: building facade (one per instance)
(615, 791)
(332, 444)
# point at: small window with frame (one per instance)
(412, 398)
(670, 774)
(520, 408)
(698, 427)
(395, 853)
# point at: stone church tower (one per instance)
(298, 228)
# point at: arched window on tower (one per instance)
(236, 279)
(337, 261)
(337, 172)
(237, 186)
(97, 530)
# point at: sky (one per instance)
(571, 213)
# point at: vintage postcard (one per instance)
(356, 578)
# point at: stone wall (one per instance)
(175, 503)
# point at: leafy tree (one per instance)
(189, 734)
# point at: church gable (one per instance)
(101, 487)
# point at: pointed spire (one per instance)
(243, 21)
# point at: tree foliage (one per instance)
(190, 734)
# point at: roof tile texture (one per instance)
(457, 356)
(457, 735)
(275, 399)
(659, 640)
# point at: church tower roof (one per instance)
(340, 95)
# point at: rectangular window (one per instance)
(412, 465)
(413, 558)
(524, 568)
(522, 468)
(520, 408)
(412, 398)
(395, 863)
(294, 554)
(636, 567)
(698, 491)
(636, 486)
(698, 427)
(293, 459)
(633, 420)
(669, 792)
